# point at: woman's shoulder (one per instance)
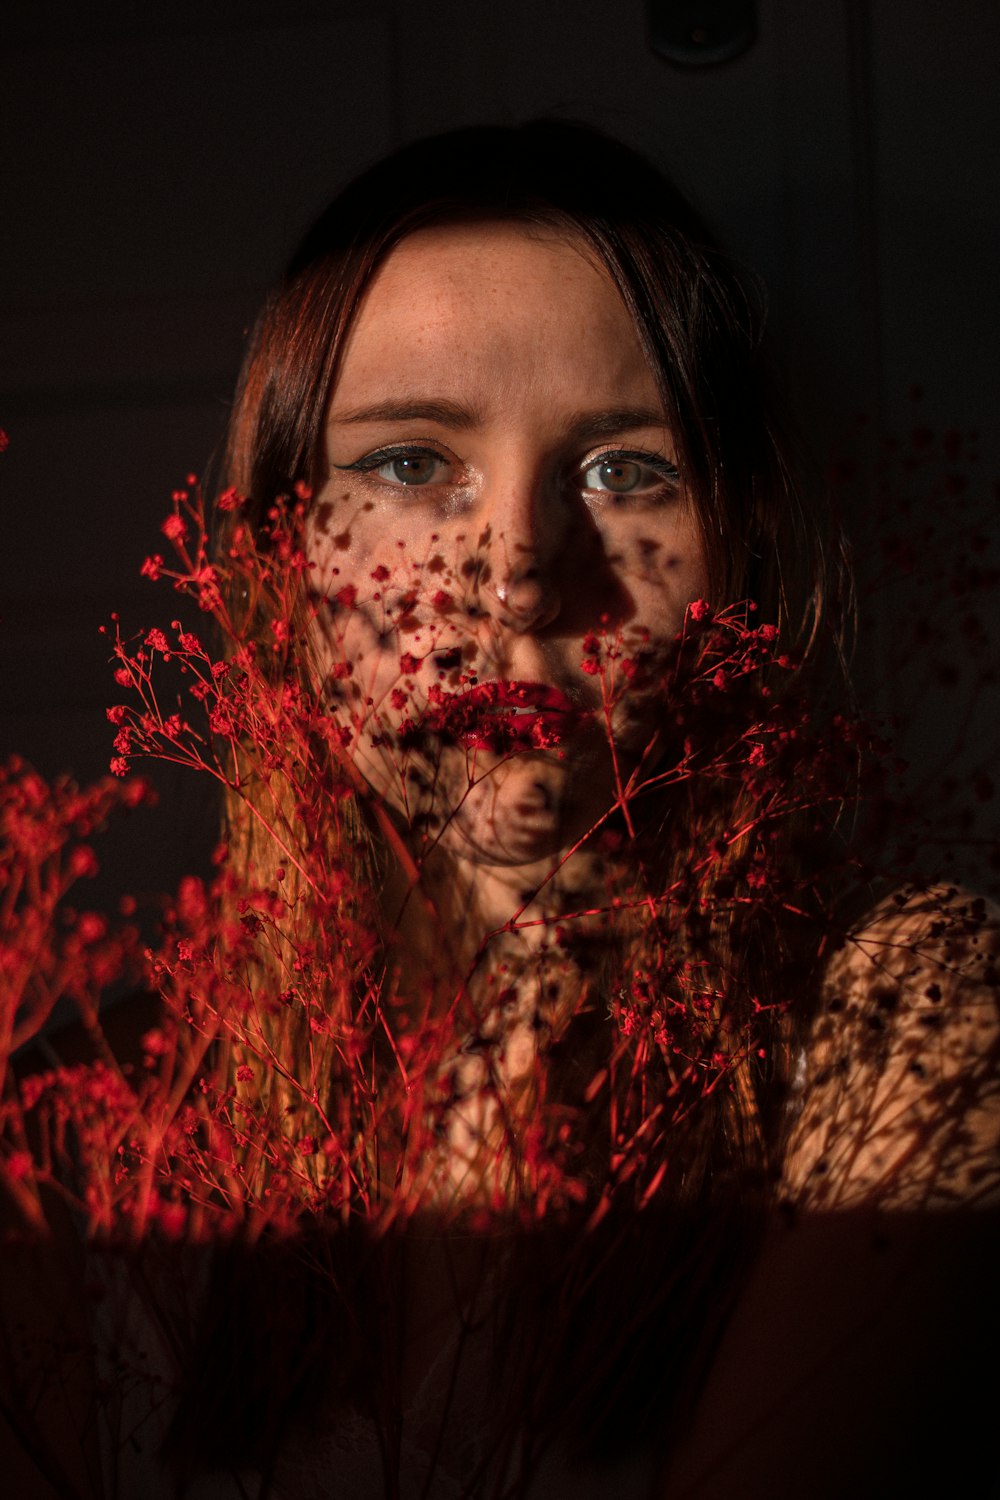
(896, 1099)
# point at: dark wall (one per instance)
(158, 161)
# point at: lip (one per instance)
(505, 715)
(499, 694)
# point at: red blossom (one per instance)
(220, 720)
(175, 529)
(154, 1042)
(91, 926)
(82, 863)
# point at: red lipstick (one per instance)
(504, 715)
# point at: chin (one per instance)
(510, 847)
(529, 809)
(520, 808)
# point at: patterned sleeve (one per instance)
(897, 1102)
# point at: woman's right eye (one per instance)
(409, 468)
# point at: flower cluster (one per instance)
(289, 1067)
(289, 1071)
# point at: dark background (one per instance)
(159, 160)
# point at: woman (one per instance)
(512, 602)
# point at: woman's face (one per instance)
(499, 501)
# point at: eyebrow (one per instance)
(581, 425)
(449, 413)
(605, 423)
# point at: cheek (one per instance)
(383, 624)
(341, 533)
(665, 574)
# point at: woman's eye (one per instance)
(619, 476)
(629, 474)
(411, 469)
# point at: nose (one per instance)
(523, 596)
(521, 543)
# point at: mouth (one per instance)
(504, 716)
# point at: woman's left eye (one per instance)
(629, 474)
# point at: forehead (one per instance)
(495, 250)
(478, 301)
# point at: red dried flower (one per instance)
(91, 926)
(175, 528)
(82, 863)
